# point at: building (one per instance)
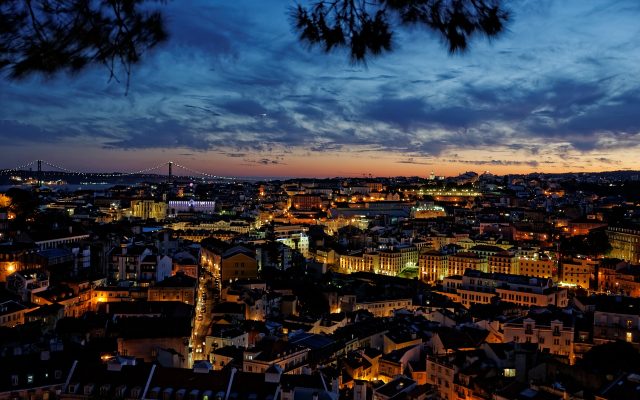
(238, 263)
(223, 336)
(486, 250)
(111, 294)
(614, 318)
(399, 257)
(12, 313)
(578, 272)
(179, 287)
(624, 280)
(297, 241)
(191, 206)
(441, 374)
(625, 243)
(16, 257)
(306, 202)
(154, 268)
(359, 262)
(553, 332)
(380, 307)
(125, 261)
(26, 283)
(185, 263)
(477, 287)
(460, 262)
(503, 263)
(398, 387)
(542, 267)
(128, 378)
(149, 209)
(39, 375)
(288, 357)
(432, 265)
(164, 339)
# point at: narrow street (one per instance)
(208, 294)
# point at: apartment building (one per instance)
(394, 260)
(542, 267)
(503, 263)
(625, 243)
(380, 307)
(551, 331)
(238, 263)
(432, 265)
(477, 287)
(460, 262)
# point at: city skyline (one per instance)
(234, 93)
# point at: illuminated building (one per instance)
(394, 260)
(486, 250)
(433, 266)
(378, 307)
(149, 209)
(624, 279)
(578, 272)
(625, 244)
(460, 262)
(306, 202)
(504, 263)
(359, 262)
(428, 211)
(297, 241)
(537, 267)
(476, 287)
(582, 227)
(191, 206)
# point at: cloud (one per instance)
(20, 133)
(411, 160)
(233, 79)
(529, 163)
(605, 160)
(265, 161)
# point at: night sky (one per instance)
(233, 92)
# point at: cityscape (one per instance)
(475, 286)
(319, 200)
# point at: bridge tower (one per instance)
(170, 169)
(39, 174)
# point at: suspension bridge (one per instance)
(165, 168)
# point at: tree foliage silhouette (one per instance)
(366, 27)
(49, 36)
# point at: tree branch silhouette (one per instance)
(366, 27)
(50, 36)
